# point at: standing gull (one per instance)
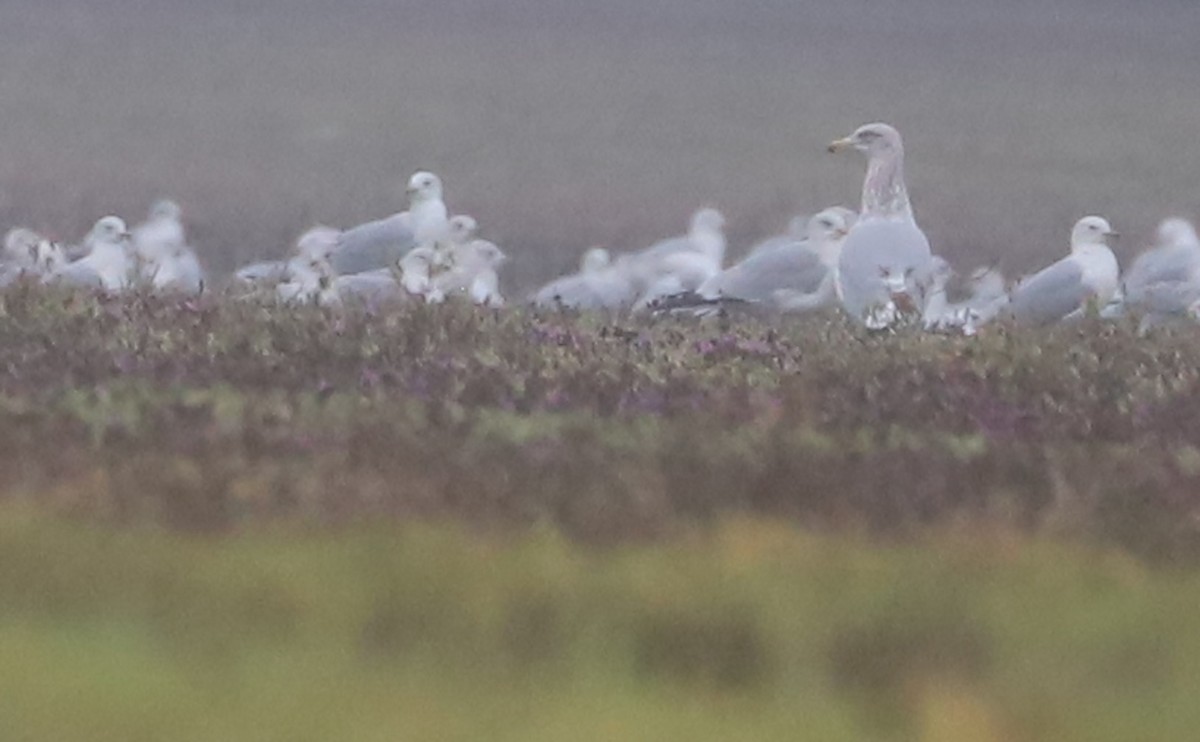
(1065, 289)
(381, 243)
(886, 263)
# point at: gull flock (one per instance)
(875, 264)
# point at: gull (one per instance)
(177, 271)
(679, 264)
(108, 266)
(160, 234)
(474, 275)
(1163, 284)
(600, 285)
(460, 231)
(795, 276)
(21, 248)
(26, 253)
(886, 264)
(318, 242)
(416, 271)
(308, 280)
(987, 298)
(1065, 289)
(379, 244)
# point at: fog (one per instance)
(561, 124)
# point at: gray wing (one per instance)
(1050, 294)
(1169, 297)
(792, 267)
(1166, 264)
(602, 290)
(80, 274)
(671, 246)
(773, 243)
(374, 245)
(569, 292)
(875, 247)
(271, 271)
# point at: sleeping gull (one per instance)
(1164, 282)
(474, 274)
(318, 242)
(600, 285)
(886, 263)
(1064, 290)
(796, 276)
(108, 266)
(381, 243)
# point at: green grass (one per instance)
(748, 630)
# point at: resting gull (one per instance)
(1163, 284)
(108, 266)
(1064, 290)
(381, 243)
(680, 264)
(795, 276)
(886, 263)
(474, 274)
(600, 285)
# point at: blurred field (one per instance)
(746, 631)
(561, 124)
(221, 521)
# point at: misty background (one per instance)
(562, 124)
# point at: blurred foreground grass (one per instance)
(749, 630)
(221, 520)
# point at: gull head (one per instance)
(112, 230)
(595, 259)
(708, 220)
(870, 139)
(462, 228)
(1176, 231)
(491, 255)
(165, 209)
(1092, 230)
(828, 226)
(424, 186)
